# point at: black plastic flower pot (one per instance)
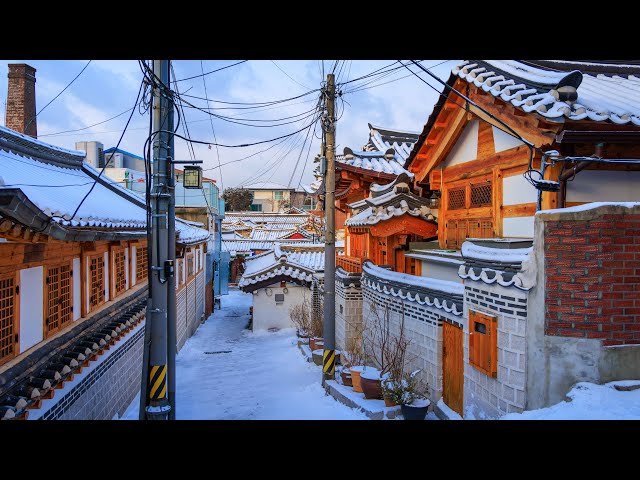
(414, 413)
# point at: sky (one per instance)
(109, 87)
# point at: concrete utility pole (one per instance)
(329, 126)
(157, 406)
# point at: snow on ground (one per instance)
(264, 377)
(590, 402)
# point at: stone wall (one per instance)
(494, 397)
(348, 314)
(102, 390)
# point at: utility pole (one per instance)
(157, 406)
(329, 126)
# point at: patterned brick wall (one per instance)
(103, 389)
(592, 274)
(506, 393)
(348, 313)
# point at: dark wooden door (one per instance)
(452, 367)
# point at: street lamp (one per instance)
(192, 177)
(434, 199)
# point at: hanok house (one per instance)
(73, 288)
(547, 299)
(281, 278)
(380, 160)
(250, 233)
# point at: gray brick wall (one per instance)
(348, 313)
(506, 393)
(107, 388)
(423, 326)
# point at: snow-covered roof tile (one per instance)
(603, 94)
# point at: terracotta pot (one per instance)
(303, 341)
(316, 343)
(346, 378)
(372, 389)
(388, 402)
(355, 378)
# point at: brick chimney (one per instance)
(21, 99)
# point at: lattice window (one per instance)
(96, 280)
(141, 263)
(59, 300)
(8, 333)
(456, 198)
(481, 195)
(190, 264)
(119, 276)
(180, 271)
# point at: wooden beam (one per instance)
(497, 199)
(404, 225)
(506, 159)
(520, 210)
(5, 225)
(550, 199)
(526, 127)
(456, 122)
(486, 147)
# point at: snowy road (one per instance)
(264, 375)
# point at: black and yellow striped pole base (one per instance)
(328, 364)
(159, 407)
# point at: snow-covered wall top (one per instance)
(611, 97)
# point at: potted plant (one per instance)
(301, 318)
(408, 392)
(353, 358)
(370, 383)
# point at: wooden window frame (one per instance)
(15, 277)
(113, 254)
(190, 259)
(50, 331)
(486, 183)
(100, 257)
(141, 267)
(455, 190)
(483, 348)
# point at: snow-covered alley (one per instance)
(225, 372)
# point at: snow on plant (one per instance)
(404, 390)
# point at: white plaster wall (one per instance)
(603, 186)
(268, 314)
(31, 305)
(134, 250)
(516, 190)
(504, 141)
(466, 148)
(517, 227)
(77, 297)
(441, 271)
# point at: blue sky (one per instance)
(109, 87)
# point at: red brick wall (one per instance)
(592, 273)
(21, 99)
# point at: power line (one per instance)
(85, 128)
(106, 162)
(212, 71)
(61, 92)
(293, 79)
(212, 129)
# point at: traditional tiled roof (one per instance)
(248, 246)
(504, 266)
(611, 92)
(41, 186)
(441, 294)
(388, 201)
(385, 152)
(300, 265)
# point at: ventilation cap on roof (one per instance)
(567, 88)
